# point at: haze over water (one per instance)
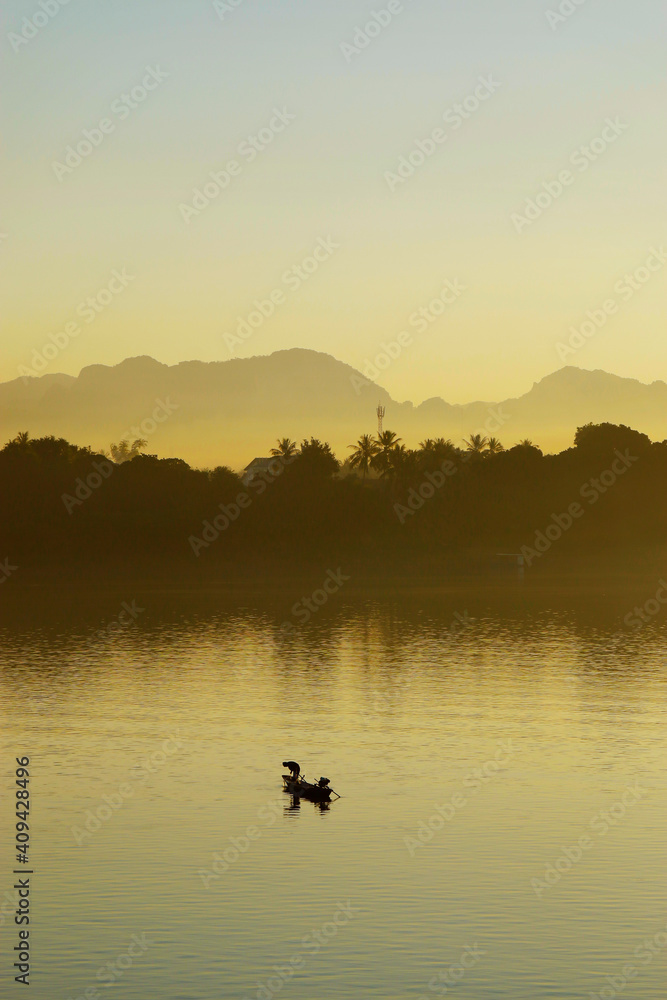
(403, 702)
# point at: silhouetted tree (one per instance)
(125, 452)
(476, 444)
(364, 451)
(525, 447)
(385, 444)
(285, 449)
(151, 507)
(493, 446)
(603, 439)
(403, 464)
(433, 452)
(224, 481)
(316, 460)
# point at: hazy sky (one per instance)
(328, 177)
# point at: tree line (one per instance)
(383, 504)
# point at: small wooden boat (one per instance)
(303, 789)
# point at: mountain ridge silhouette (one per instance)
(227, 412)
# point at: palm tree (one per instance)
(403, 462)
(526, 443)
(285, 449)
(444, 448)
(427, 445)
(387, 440)
(493, 446)
(476, 444)
(21, 438)
(365, 451)
(385, 444)
(125, 452)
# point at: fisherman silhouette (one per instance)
(293, 767)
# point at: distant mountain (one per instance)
(227, 412)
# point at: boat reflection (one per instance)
(295, 805)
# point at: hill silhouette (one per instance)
(233, 408)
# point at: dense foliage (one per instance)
(60, 503)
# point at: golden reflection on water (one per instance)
(519, 720)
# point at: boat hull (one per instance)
(304, 790)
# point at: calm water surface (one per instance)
(519, 719)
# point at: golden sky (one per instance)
(405, 144)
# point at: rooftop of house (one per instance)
(259, 463)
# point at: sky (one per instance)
(370, 157)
